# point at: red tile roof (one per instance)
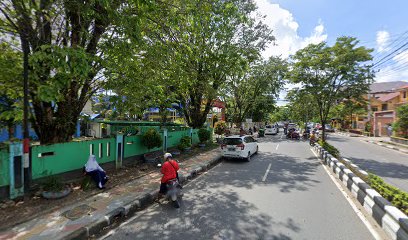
(388, 97)
(403, 87)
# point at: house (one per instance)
(383, 99)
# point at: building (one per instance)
(385, 98)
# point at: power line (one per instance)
(387, 57)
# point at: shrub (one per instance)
(185, 142)
(53, 184)
(402, 122)
(220, 127)
(151, 139)
(332, 150)
(204, 135)
(397, 197)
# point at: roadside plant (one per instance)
(185, 142)
(204, 135)
(402, 122)
(151, 139)
(53, 184)
(220, 127)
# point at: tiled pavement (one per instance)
(88, 217)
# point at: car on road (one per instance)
(328, 128)
(271, 129)
(239, 147)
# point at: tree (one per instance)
(282, 113)
(302, 106)
(191, 47)
(252, 94)
(330, 73)
(402, 122)
(11, 85)
(65, 41)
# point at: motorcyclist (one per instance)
(312, 137)
(169, 170)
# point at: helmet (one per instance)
(167, 155)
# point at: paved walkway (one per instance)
(86, 218)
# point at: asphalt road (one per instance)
(389, 164)
(297, 200)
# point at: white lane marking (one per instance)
(277, 146)
(369, 226)
(266, 173)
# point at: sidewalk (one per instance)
(385, 142)
(83, 219)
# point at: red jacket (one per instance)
(169, 170)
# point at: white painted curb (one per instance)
(391, 219)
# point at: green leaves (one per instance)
(252, 92)
(331, 74)
(55, 68)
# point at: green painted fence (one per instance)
(173, 137)
(196, 140)
(133, 146)
(4, 167)
(59, 158)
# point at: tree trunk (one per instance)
(10, 128)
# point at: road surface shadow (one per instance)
(208, 214)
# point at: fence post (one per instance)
(191, 135)
(119, 150)
(165, 140)
(16, 170)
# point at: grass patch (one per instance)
(332, 150)
(397, 197)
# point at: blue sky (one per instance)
(378, 24)
(359, 18)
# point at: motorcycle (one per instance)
(312, 142)
(293, 134)
(174, 193)
(306, 135)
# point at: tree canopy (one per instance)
(332, 73)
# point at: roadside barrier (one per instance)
(391, 219)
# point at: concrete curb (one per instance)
(136, 205)
(387, 146)
(391, 219)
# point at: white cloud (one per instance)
(382, 40)
(396, 71)
(285, 27)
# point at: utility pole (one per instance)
(26, 141)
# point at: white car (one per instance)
(239, 147)
(271, 129)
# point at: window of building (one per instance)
(404, 94)
(374, 109)
(384, 107)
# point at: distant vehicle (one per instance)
(328, 128)
(292, 125)
(271, 129)
(281, 124)
(310, 125)
(239, 147)
(318, 126)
